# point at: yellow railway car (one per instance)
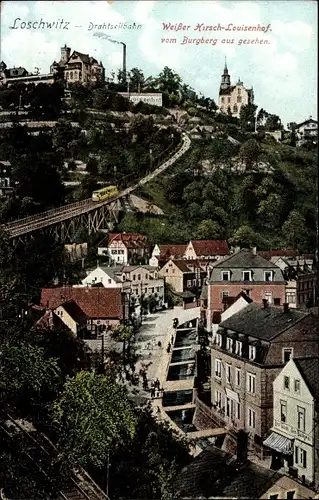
(105, 193)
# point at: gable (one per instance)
(291, 370)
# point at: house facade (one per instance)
(104, 307)
(307, 130)
(184, 275)
(206, 249)
(162, 253)
(125, 248)
(78, 67)
(244, 271)
(294, 437)
(233, 97)
(248, 351)
(134, 281)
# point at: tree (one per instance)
(94, 416)
(169, 81)
(250, 152)
(208, 230)
(273, 122)
(247, 116)
(137, 79)
(244, 236)
(270, 210)
(293, 229)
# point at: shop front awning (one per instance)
(279, 443)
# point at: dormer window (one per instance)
(229, 344)
(218, 339)
(252, 352)
(268, 276)
(246, 275)
(238, 348)
(225, 275)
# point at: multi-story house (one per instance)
(125, 248)
(206, 249)
(67, 314)
(104, 307)
(244, 271)
(134, 281)
(184, 275)
(78, 67)
(307, 130)
(248, 351)
(294, 438)
(6, 188)
(162, 253)
(233, 97)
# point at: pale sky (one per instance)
(283, 72)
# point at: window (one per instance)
(189, 283)
(71, 75)
(277, 302)
(286, 354)
(268, 297)
(291, 495)
(291, 298)
(225, 275)
(246, 275)
(139, 277)
(219, 339)
(229, 344)
(251, 418)
(251, 383)
(301, 457)
(134, 277)
(228, 99)
(238, 98)
(268, 276)
(194, 282)
(252, 352)
(218, 399)
(286, 382)
(238, 411)
(146, 276)
(238, 347)
(235, 108)
(238, 376)
(273, 497)
(301, 418)
(218, 368)
(297, 385)
(228, 373)
(239, 91)
(109, 281)
(283, 411)
(223, 99)
(224, 294)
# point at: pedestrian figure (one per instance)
(152, 392)
(159, 343)
(158, 394)
(169, 347)
(157, 382)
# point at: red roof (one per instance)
(126, 237)
(210, 247)
(95, 302)
(286, 252)
(175, 251)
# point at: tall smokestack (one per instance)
(124, 60)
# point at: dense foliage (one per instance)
(257, 192)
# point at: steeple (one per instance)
(225, 81)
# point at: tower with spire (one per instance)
(225, 80)
(233, 97)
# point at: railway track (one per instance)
(54, 216)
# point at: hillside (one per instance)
(256, 192)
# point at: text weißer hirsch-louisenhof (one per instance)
(216, 27)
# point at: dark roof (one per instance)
(210, 247)
(15, 72)
(309, 369)
(215, 473)
(262, 322)
(75, 312)
(95, 302)
(227, 91)
(310, 120)
(244, 259)
(176, 251)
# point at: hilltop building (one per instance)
(233, 97)
(78, 67)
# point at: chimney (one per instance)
(254, 250)
(286, 307)
(265, 303)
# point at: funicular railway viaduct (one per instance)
(64, 222)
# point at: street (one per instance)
(157, 327)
